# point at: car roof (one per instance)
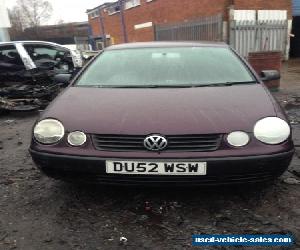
(166, 44)
(32, 42)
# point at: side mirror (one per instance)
(63, 79)
(270, 75)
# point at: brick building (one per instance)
(137, 19)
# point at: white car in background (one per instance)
(29, 55)
(28, 70)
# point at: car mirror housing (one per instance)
(270, 75)
(62, 78)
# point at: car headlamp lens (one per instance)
(48, 131)
(238, 138)
(272, 130)
(76, 138)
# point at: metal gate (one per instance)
(256, 35)
(202, 29)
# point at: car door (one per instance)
(48, 57)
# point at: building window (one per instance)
(128, 4)
(132, 3)
(113, 9)
(94, 14)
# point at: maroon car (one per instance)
(164, 113)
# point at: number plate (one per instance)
(155, 168)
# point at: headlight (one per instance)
(272, 130)
(238, 139)
(76, 138)
(48, 131)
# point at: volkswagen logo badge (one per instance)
(155, 142)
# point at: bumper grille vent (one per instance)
(178, 143)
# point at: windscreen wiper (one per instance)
(170, 86)
(223, 84)
(144, 86)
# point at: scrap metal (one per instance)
(31, 87)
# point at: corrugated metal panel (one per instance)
(244, 15)
(296, 7)
(251, 36)
(203, 28)
(272, 15)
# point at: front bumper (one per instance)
(227, 170)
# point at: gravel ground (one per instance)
(40, 213)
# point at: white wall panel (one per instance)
(244, 15)
(271, 15)
(4, 20)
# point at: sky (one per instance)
(68, 10)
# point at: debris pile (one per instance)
(27, 76)
(28, 95)
(29, 90)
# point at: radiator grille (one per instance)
(183, 143)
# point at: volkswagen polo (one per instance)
(164, 113)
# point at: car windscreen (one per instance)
(176, 66)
